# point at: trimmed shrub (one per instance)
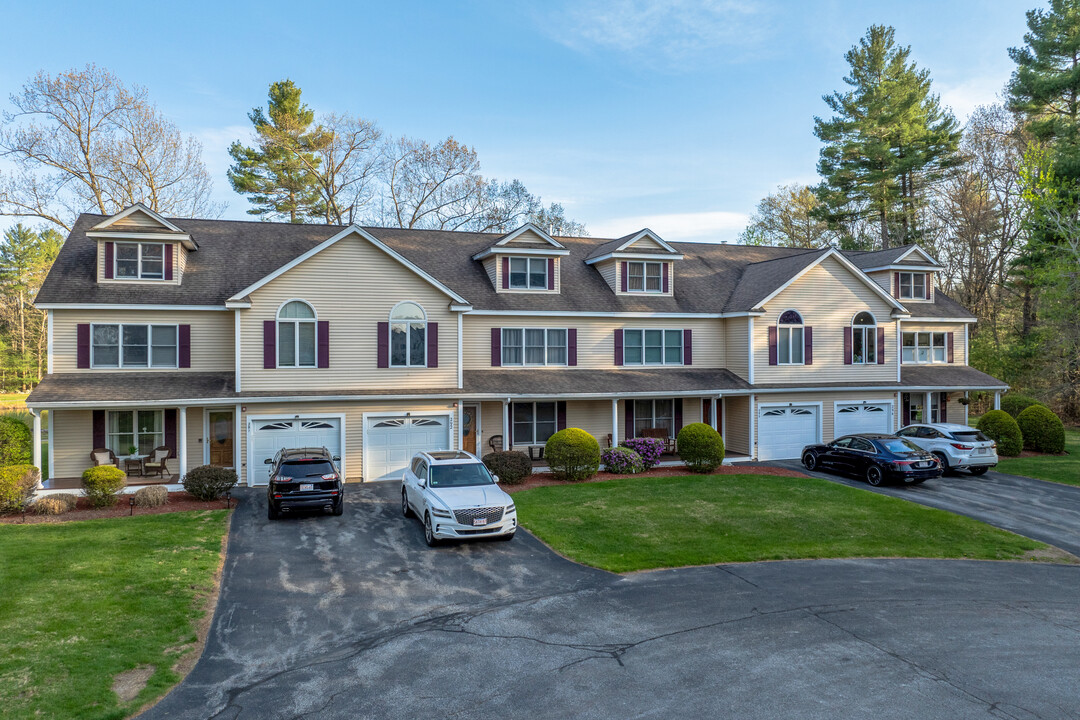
(207, 482)
(101, 484)
(511, 466)
(621, 460)
(1016, 404)
(1043, 431)
(700, 447)
(649, 449)
(17, 485)
(572, 454)
(16, 442)
(49, 505)
(151, 496)
(70, 500)
(1000, 427)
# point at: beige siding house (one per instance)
(225, 341)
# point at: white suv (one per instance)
(957, 447)
(456, 498)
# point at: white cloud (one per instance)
(964, 97)
(712, 226)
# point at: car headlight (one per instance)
(445, 514)
(511, 508)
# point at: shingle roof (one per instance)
(961, 376)
(131, 387)
(863, 259)
(623, 381)
(761, 278)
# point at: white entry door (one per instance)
(390, 442)
(267, 436)
(862, 418)
(783, 431)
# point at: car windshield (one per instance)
(459, 475)
(969, 436)
(305, 468)
(899, 445)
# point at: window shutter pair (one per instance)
(382, 344)
(808, 345)
(82, 339)
(322, 344)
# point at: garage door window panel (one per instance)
(408, 336)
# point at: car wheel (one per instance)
(943, 460)
(405, 509)
(339, 506)
(271, 513)
(429, 532)
(980, 470)
(809, 461)
(874, 476)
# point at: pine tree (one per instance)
(887, 142)
(277, 181)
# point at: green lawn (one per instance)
(649, 522)
(1056, 468)
(81, 602)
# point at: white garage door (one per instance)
(783, 431)
(859, 418)
(390, 442)
(269, 436)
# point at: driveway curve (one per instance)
(353, 617)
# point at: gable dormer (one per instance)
(527, 260)
(639, 264)
(140, 246)
(908, 274)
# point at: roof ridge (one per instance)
(788, 257)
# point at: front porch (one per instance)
(131, 483)
(667, 460)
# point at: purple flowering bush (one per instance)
(648, 448)
(621, 461)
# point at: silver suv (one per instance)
(456, 498)
(957, 447)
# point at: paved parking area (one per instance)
(354, 617)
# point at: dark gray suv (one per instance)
(304, 479)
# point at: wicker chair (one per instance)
(155, 462)
(104, 456)
(661, 434)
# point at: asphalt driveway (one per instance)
(354, 617)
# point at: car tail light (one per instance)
(960, 446)
(901, 464)
(283, 479)
(993, 445)
(331, 476)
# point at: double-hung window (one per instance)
(130, 345)
(924, 347)
(140, 261)
(654, 414)
(913, 286)
(408, 336)
(534, 423)
(644, 277)
(296, 335)
(864, 339)
(534, 346)
(142, 429)
(789, 339)
(652, 347)
(528, 273)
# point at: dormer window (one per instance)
(644, 277)
(139, 261)
(913, 286)
(528, 273)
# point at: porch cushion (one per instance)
(104, 458)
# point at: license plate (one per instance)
(480, 521)
(924, 464)
(981, 451)
(306, 486)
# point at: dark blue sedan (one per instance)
(874, 457)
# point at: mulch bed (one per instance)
(178, 502)
(545, 479)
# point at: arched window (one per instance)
(864, 339)
(296, 335)
(789, 338)
(408, 336)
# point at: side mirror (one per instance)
(337, 458)
(495, 478)
(268, 461)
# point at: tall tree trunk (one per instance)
(884, 228)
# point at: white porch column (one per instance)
(968, 398)
(506, 425)
(614, 422)
(723, 419)
(753, 428)
(461, 423)
(238, 456)
(712, 413)
(181, 440)
(927, 414)
(997, 399)
(37, 445)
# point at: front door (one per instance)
(220, 437)
(469, 414)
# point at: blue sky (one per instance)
(674, 115)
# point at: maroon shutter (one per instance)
(628, 419)
(184, 341)
(622, 268)
(170, 430)
(706, 406)
(949, 346)
(847, 346)
(169, 261)
(506, 273)
(551, 273)
(560, 415)
(108, 261)
(896, 285)
(881, 346)
(82, 335)
(571, 347)
(808, 345)
(496, 347)
(98, 440)
(323, 332)
(269, 344)
(772, 345)
(664, 275)
(943, 407)
(433, 344)
(678, 416)
(929, 285)
(688, 347)
(905, 408)
(618, 347)
(382, 344)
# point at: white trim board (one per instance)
(118, 306)
(505, 239)
(137, 207)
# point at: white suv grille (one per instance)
(466, 516)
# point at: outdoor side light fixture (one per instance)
(131, 504)
(228, 499)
